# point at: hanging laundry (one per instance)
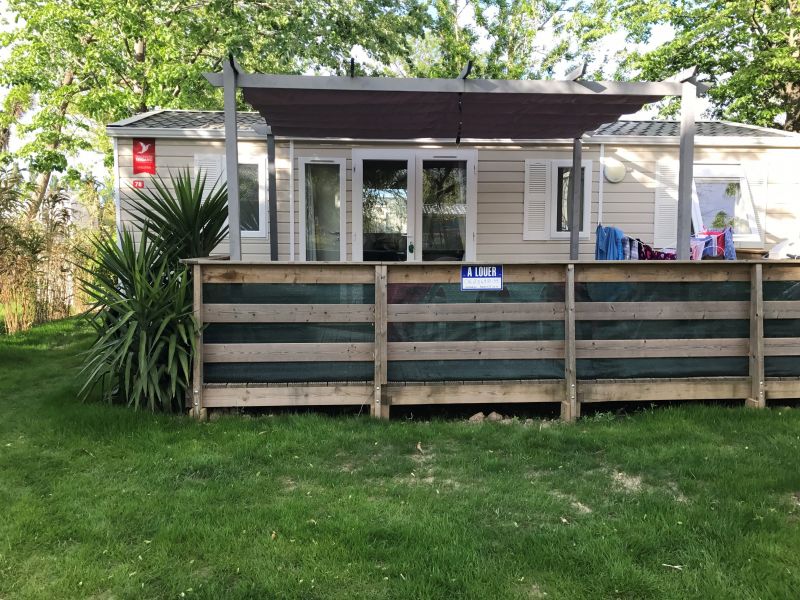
(626, 248)
(634, 249)
(647, 253)
(697, 245)
(608, 243)
(716, 246)
(730, 250)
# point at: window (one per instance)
(250, 213)
(252, 189)
(547, 198)
(721, 198)
(444, 209)
(322, 212)
(564, 197)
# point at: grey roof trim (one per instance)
(208, 125)
(248, 135)
(719, 141)
(483, 86)
(776, 132)
(115, 131)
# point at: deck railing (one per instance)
(382, 335)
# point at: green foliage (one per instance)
(509, 39)
(748, 50)
(87, 63)
(142, 317)
(182, 219)
(141, 296)
(722, 220)
(35, 251)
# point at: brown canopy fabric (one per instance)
(401, 109)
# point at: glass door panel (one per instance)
(322, 206)
(385, 210)
(444, 209)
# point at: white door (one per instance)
(414, 205)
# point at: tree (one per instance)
(74, 65)
(749, 50)
(505, 39)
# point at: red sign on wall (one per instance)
(144, 156)
(138, 184)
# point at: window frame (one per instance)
(585, 233)
(261, 162)
(302, 161)
(726, 172)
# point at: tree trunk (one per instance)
(43, 179)
(792, 104)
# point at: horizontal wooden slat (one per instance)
(491, 350)
(289, 313)
(781, 346)
(782, 309)
(283, 273)
(652, 390)
(662, 348)
(783, 389)
(451, 273)
(497, 311)
(661, 272)
(477, 393)
(230, 353)
(783, 271)
(312, 395)
(624, 311)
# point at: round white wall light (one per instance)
(614, 170)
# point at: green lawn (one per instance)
(101, 502)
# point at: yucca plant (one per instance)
(142, 314)
(184, 220)
(141, 295)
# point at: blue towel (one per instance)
(608, 245)
(730, 251)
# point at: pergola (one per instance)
(461, 109)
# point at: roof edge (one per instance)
(625, 140)
(137, 117)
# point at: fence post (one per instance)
(757, 397)
(570, 409)
(198, 410)
(380, 403)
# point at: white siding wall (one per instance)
(628, 205)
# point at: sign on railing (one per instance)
(476, 278)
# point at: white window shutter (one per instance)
(665, 222)
(536, 200)
(213, 166)
(756, 176)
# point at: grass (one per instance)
(101, 502)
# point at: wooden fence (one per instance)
(382, 335)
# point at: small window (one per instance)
(561, 198)
(250, 213)
(721, 198)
